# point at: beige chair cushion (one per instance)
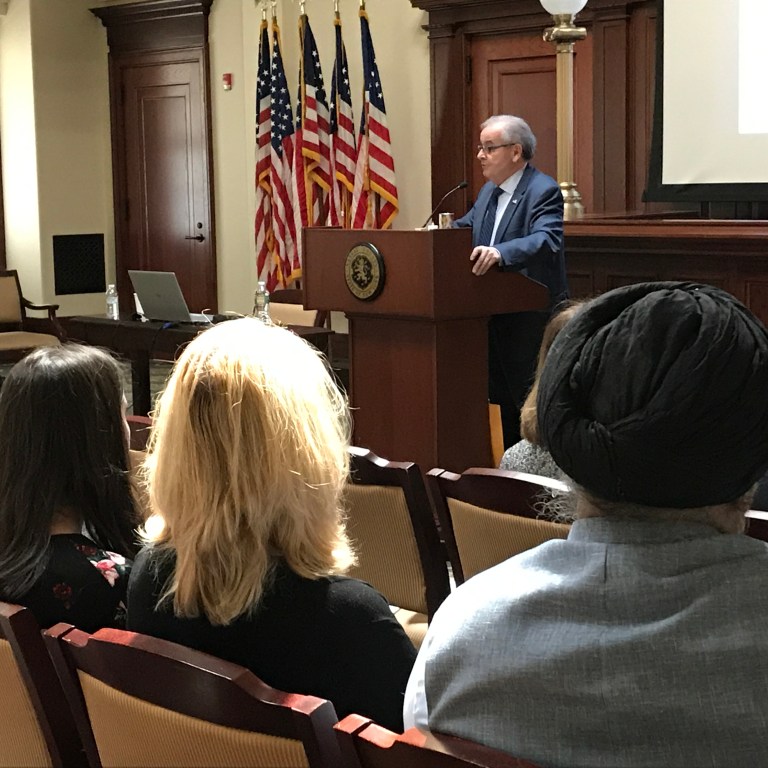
(130, 732)
(486, 538)
(10, 303)
(380, 527)
(291, 314)
(25, 340)
(497, 433)
(21, 740)
(415, 625)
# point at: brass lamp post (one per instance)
(564, 34)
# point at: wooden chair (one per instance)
(393, 529)
(757, 524)
(17, 336)
(286, 306)
(141, 701)
(497, 433)
(367, 745)
(36, 725)
(489, 515)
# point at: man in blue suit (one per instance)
(517, 224)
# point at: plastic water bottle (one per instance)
(113, 303)
(261, 302)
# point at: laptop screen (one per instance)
(161, 298)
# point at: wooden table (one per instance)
(140, 342)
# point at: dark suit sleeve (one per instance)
(541, 235)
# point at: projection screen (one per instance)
(710, 133)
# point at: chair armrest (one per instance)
(51, 309)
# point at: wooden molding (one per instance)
(155, 25)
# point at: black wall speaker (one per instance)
(78, 264)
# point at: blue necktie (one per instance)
(489, 221)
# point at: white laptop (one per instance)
(160, 296)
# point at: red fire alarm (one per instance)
(226, 81)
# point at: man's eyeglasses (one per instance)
(489, 149)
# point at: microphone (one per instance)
(460, 185)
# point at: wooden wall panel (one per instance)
(611, 115)
(609, 253)
(450, 118)
(756, 296)
(581, 283)
(642, 71)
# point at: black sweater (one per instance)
(335, 637)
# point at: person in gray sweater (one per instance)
(641, 641)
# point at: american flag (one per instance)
(265, 241)
(343, 149)
(288, 264)
(374, 199)
(312, 160)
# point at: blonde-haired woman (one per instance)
(245, 472)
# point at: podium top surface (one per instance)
(427, 275)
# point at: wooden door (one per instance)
(163, 185)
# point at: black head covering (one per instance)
(657, 394)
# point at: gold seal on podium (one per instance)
(364, 271)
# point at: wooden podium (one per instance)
(419, 350)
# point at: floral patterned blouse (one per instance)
(81, 585)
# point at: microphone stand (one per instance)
(460, 185)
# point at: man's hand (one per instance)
(484, 257)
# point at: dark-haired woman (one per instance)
(67, 515)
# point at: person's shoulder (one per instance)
(517, 456)
(335, 593)
(352, 596)
(152, 562)
(542, 179)
(146, 555)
